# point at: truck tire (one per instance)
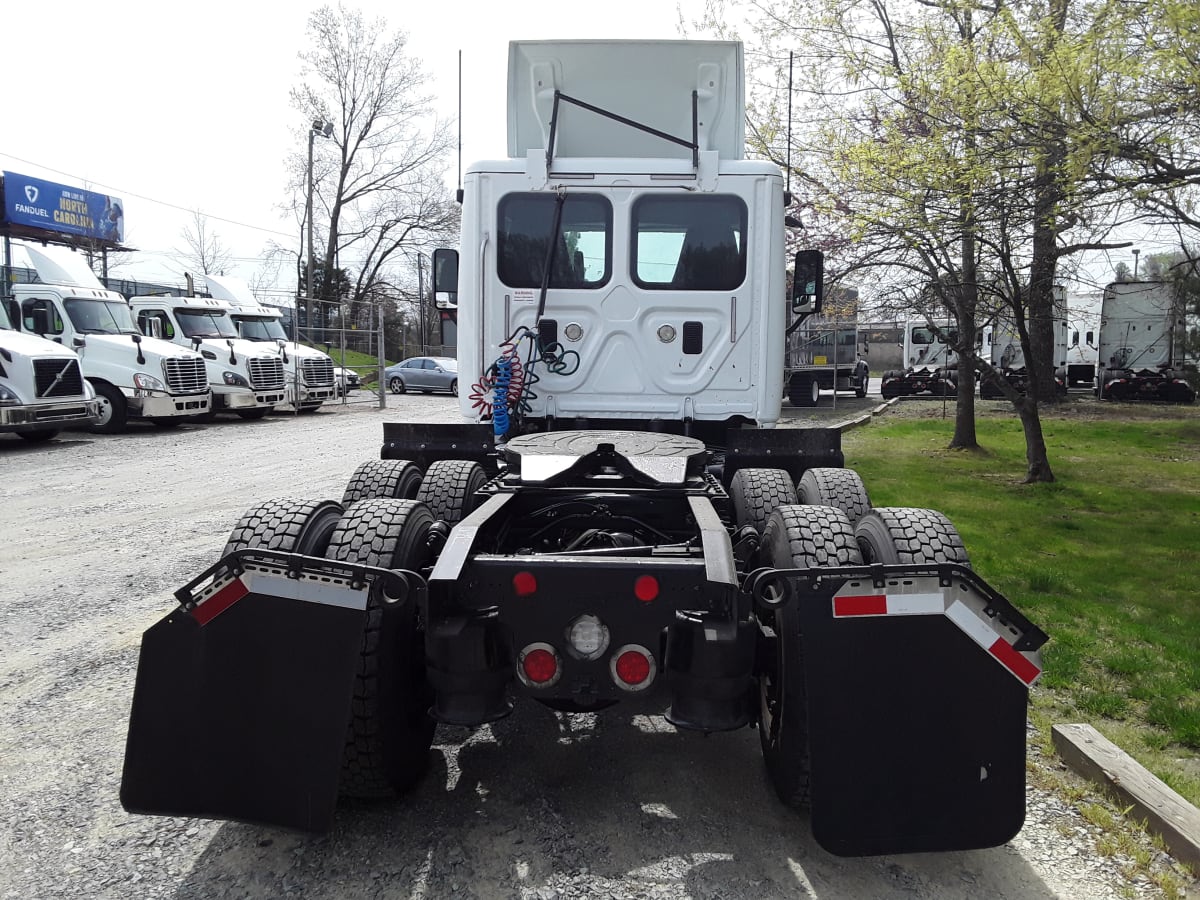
(906, 535)
(295, 526)
(259, 412)
(757, 492)
(392, 478)
(390, 731)
(842, 488)
(804, 390)
(114, 411)
(449, 488)
(796, 537)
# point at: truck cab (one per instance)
(641, 276)
(1140, 350)
(245, 378)
(42, 388)
(133, 376)
(309, 372)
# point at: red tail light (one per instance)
(633, 668)
(538, 665)
(524, 584)
(645, 588)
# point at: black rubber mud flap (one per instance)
(917, 693)
(242, 702)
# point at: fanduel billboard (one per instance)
(56, 207)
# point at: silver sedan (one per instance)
(423, 373)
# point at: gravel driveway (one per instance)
(97, 532)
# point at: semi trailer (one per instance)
(615, 520)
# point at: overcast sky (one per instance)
(181, 106)
(175, 107)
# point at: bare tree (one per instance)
(381, 190)
(203, 252)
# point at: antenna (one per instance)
(460, 191)
(788, 186)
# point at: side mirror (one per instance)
(41, 320)
(808, 289)
(445, 278)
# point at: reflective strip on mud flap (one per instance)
(977, 628)
(221, 595)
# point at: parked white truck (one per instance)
(133, 376)
(42, 388)
(1083, 326)
(309, 372)
(999, 343)
(1141, 347)
(575, 542)
(246, 378)
(929, 358)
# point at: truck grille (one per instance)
(318, 372)
(186, 376)
(266, 372)
(46, 376)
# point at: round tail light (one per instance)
(538, 665)
(633, 667)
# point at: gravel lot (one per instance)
(98, 530)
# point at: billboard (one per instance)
(34, 203)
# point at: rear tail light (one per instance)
(633, 667)
(645, 588)
(539, 666)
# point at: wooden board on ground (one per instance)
(1094, 756)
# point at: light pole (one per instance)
(1136, 254)
(325, 129)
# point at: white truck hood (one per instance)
(30, 345)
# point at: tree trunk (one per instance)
(967, 297)
(1036, 459)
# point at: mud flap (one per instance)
(917, 682)
(243, 694)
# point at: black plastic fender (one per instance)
(243, 693)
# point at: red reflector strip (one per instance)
(889, 605)
(220, 601)
(1014, 661)
(866, 605)
(986, 637)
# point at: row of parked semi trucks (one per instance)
(1128, 343)
(73, 353)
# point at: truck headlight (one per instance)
(147, 382)
(8, 398)
(235, 379)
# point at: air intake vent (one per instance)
(693, 338)
(186, 375)
(317, 372)
(58, 377)
(266, 373)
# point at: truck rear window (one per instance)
(583, 249)
(689, 243)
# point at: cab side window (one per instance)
(147, 316)
(40, 316)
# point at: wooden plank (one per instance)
(1094, 756)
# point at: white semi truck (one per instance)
(1083, 327)
(134, 376)
(246, 378)
(616, 520)
(930, 361)
(1141, 348)
(42, 388)
(309, 372)
(999, 343)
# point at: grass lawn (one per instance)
(1106, 560)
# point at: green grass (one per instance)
(1106, 559)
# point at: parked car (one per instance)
(424, 374)
(347, 380)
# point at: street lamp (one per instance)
(325, 129)
(1136, 254)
